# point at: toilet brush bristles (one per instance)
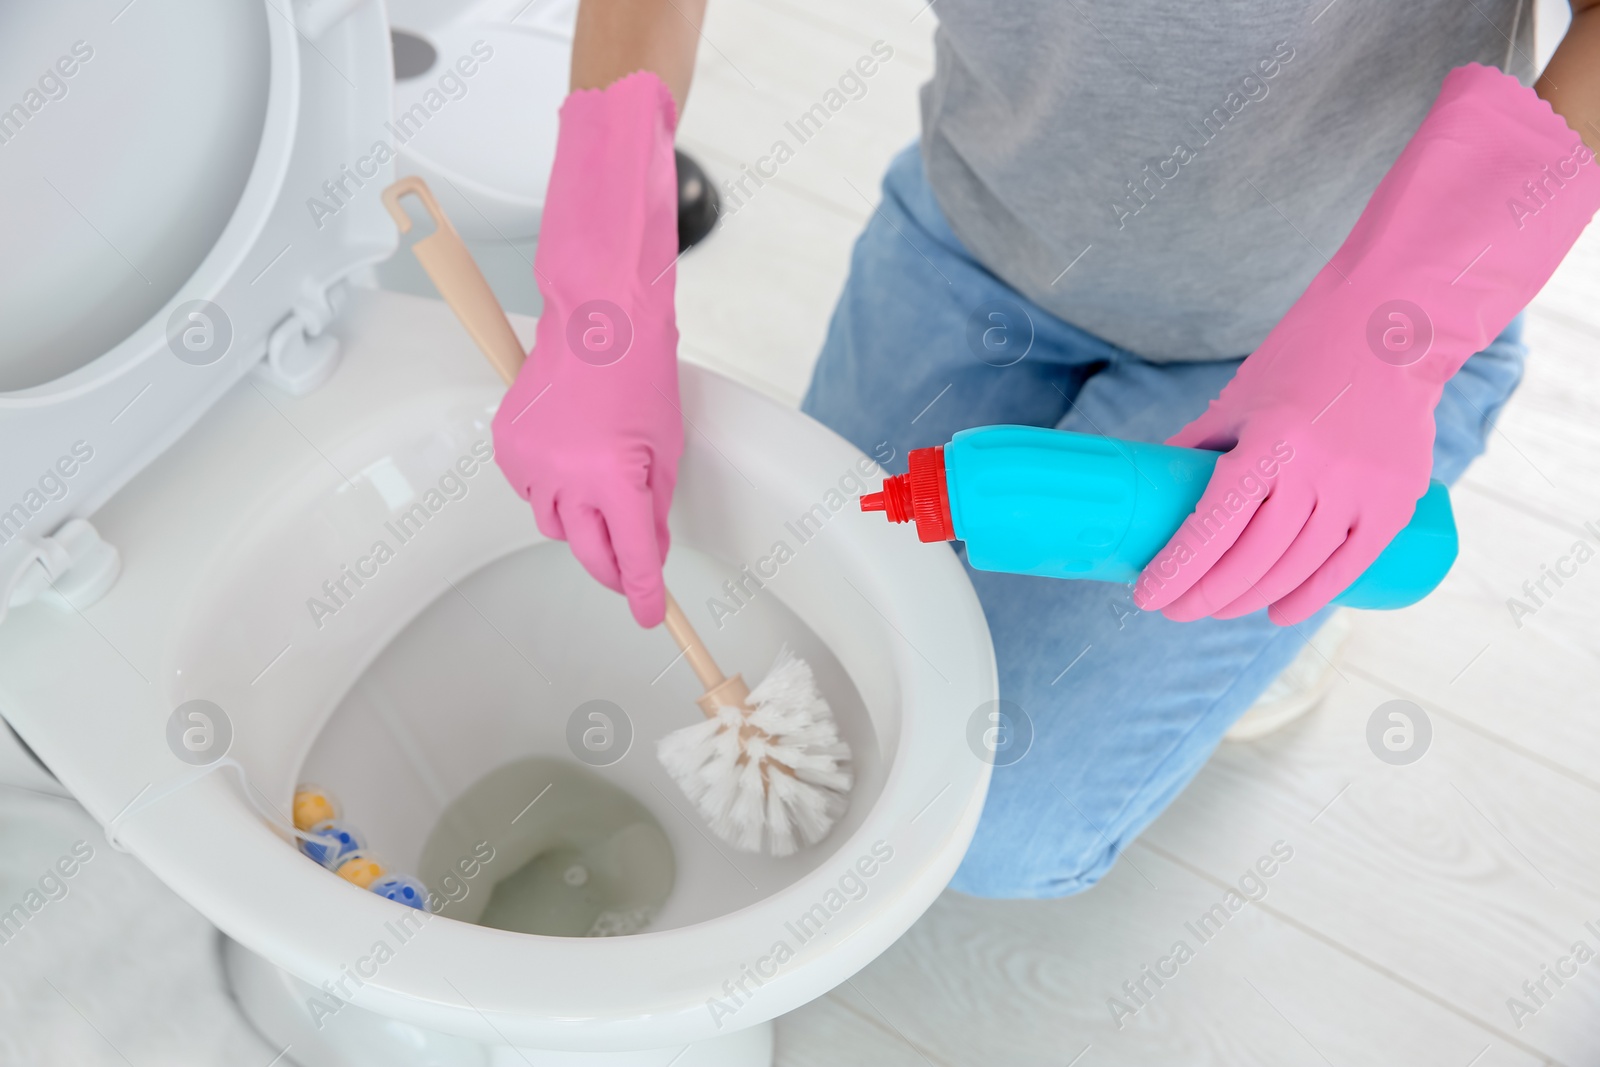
(774, 772)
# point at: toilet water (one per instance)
(548, 846)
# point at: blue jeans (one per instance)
(1125, 706)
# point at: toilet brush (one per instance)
(767, 768)
(768, 758)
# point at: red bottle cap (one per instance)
(918, 495)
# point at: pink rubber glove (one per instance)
(1330, 421)
(590, 433)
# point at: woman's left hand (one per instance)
(1329, 452)
(1447, 251)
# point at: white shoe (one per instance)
(1301, 686)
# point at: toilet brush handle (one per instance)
(721, 690)
(694, 650)
(456, 275)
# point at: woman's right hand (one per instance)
(591, 431)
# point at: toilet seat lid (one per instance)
(156, 169)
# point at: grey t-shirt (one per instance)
(1170, 176)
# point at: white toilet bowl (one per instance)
(227, 536)
(219, 545)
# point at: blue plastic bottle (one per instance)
(1066, 505)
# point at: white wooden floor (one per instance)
(1418, 899)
